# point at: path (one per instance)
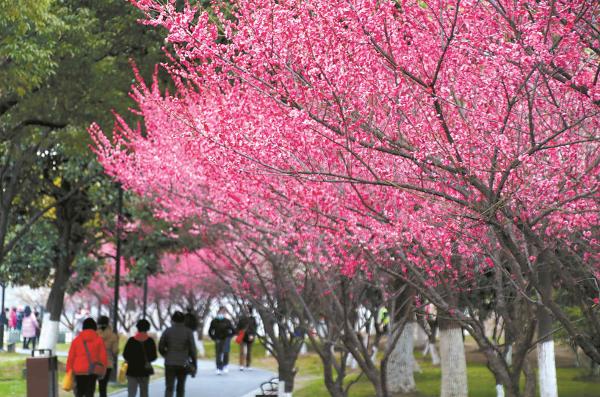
(206, 383)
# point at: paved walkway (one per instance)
(206, 383)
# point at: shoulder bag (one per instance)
(95, 368)
(147, 366)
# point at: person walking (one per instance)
(29, 328)
(139, 352)
(221, 331)
(19, 318)
(12, 318)
(4, 316)
(111, 343)
(178, 347)
(190, 320)
(86, 358)
(247, 325)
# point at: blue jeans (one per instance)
(222, 352)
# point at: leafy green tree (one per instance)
(63, 64)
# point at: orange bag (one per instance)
(67, 384)
(240, 337)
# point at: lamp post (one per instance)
(145, 295)
(3, 316)
(113, 375)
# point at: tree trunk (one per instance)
(54, 308)
(431, 349)
(400, 366)
(530, 381)
(200, 330)
(545, 347)
(454, 364)
(286, 374)
(334, 384)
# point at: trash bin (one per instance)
(42, 374)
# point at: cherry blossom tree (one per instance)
(386, 123)
(180, 282)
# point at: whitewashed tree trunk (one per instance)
(421, 338)
(49, 333)
(547, 369)
(509, 355)
(374, 354)
(200, 347)
(499, 391)
(454, 364)
(400, 366)
(303, 349)
(545, 348)
(433, 353)
(351, 362)
(281, 390)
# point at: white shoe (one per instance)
(241, 368)
(226, 370)
(219, 372)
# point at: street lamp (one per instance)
(113, 374)
(3, 316)
(145, 294)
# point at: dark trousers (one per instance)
(245, 353)
(103, 382)
(27, 341)
(133, 383)
(222, 352)
(85, 385)
(175, 373)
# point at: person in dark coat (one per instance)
(221, 331)
(139, 352)
(246, 324)
(178, 347)
(190, 320)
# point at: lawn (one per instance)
(309, 381)
(12, 382)
(481, 382)
(572, 382)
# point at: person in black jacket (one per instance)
(190, 320)
(246, 324)
(178, 347)
(139, 352)
(221, 331)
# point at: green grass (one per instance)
(13, 384)
(571, 383)
(309, 382)
(258, 350)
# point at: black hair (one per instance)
(143, 325)
(89, 323)
(177, 317)
(103, 322)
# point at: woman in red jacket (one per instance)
(87, 351)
